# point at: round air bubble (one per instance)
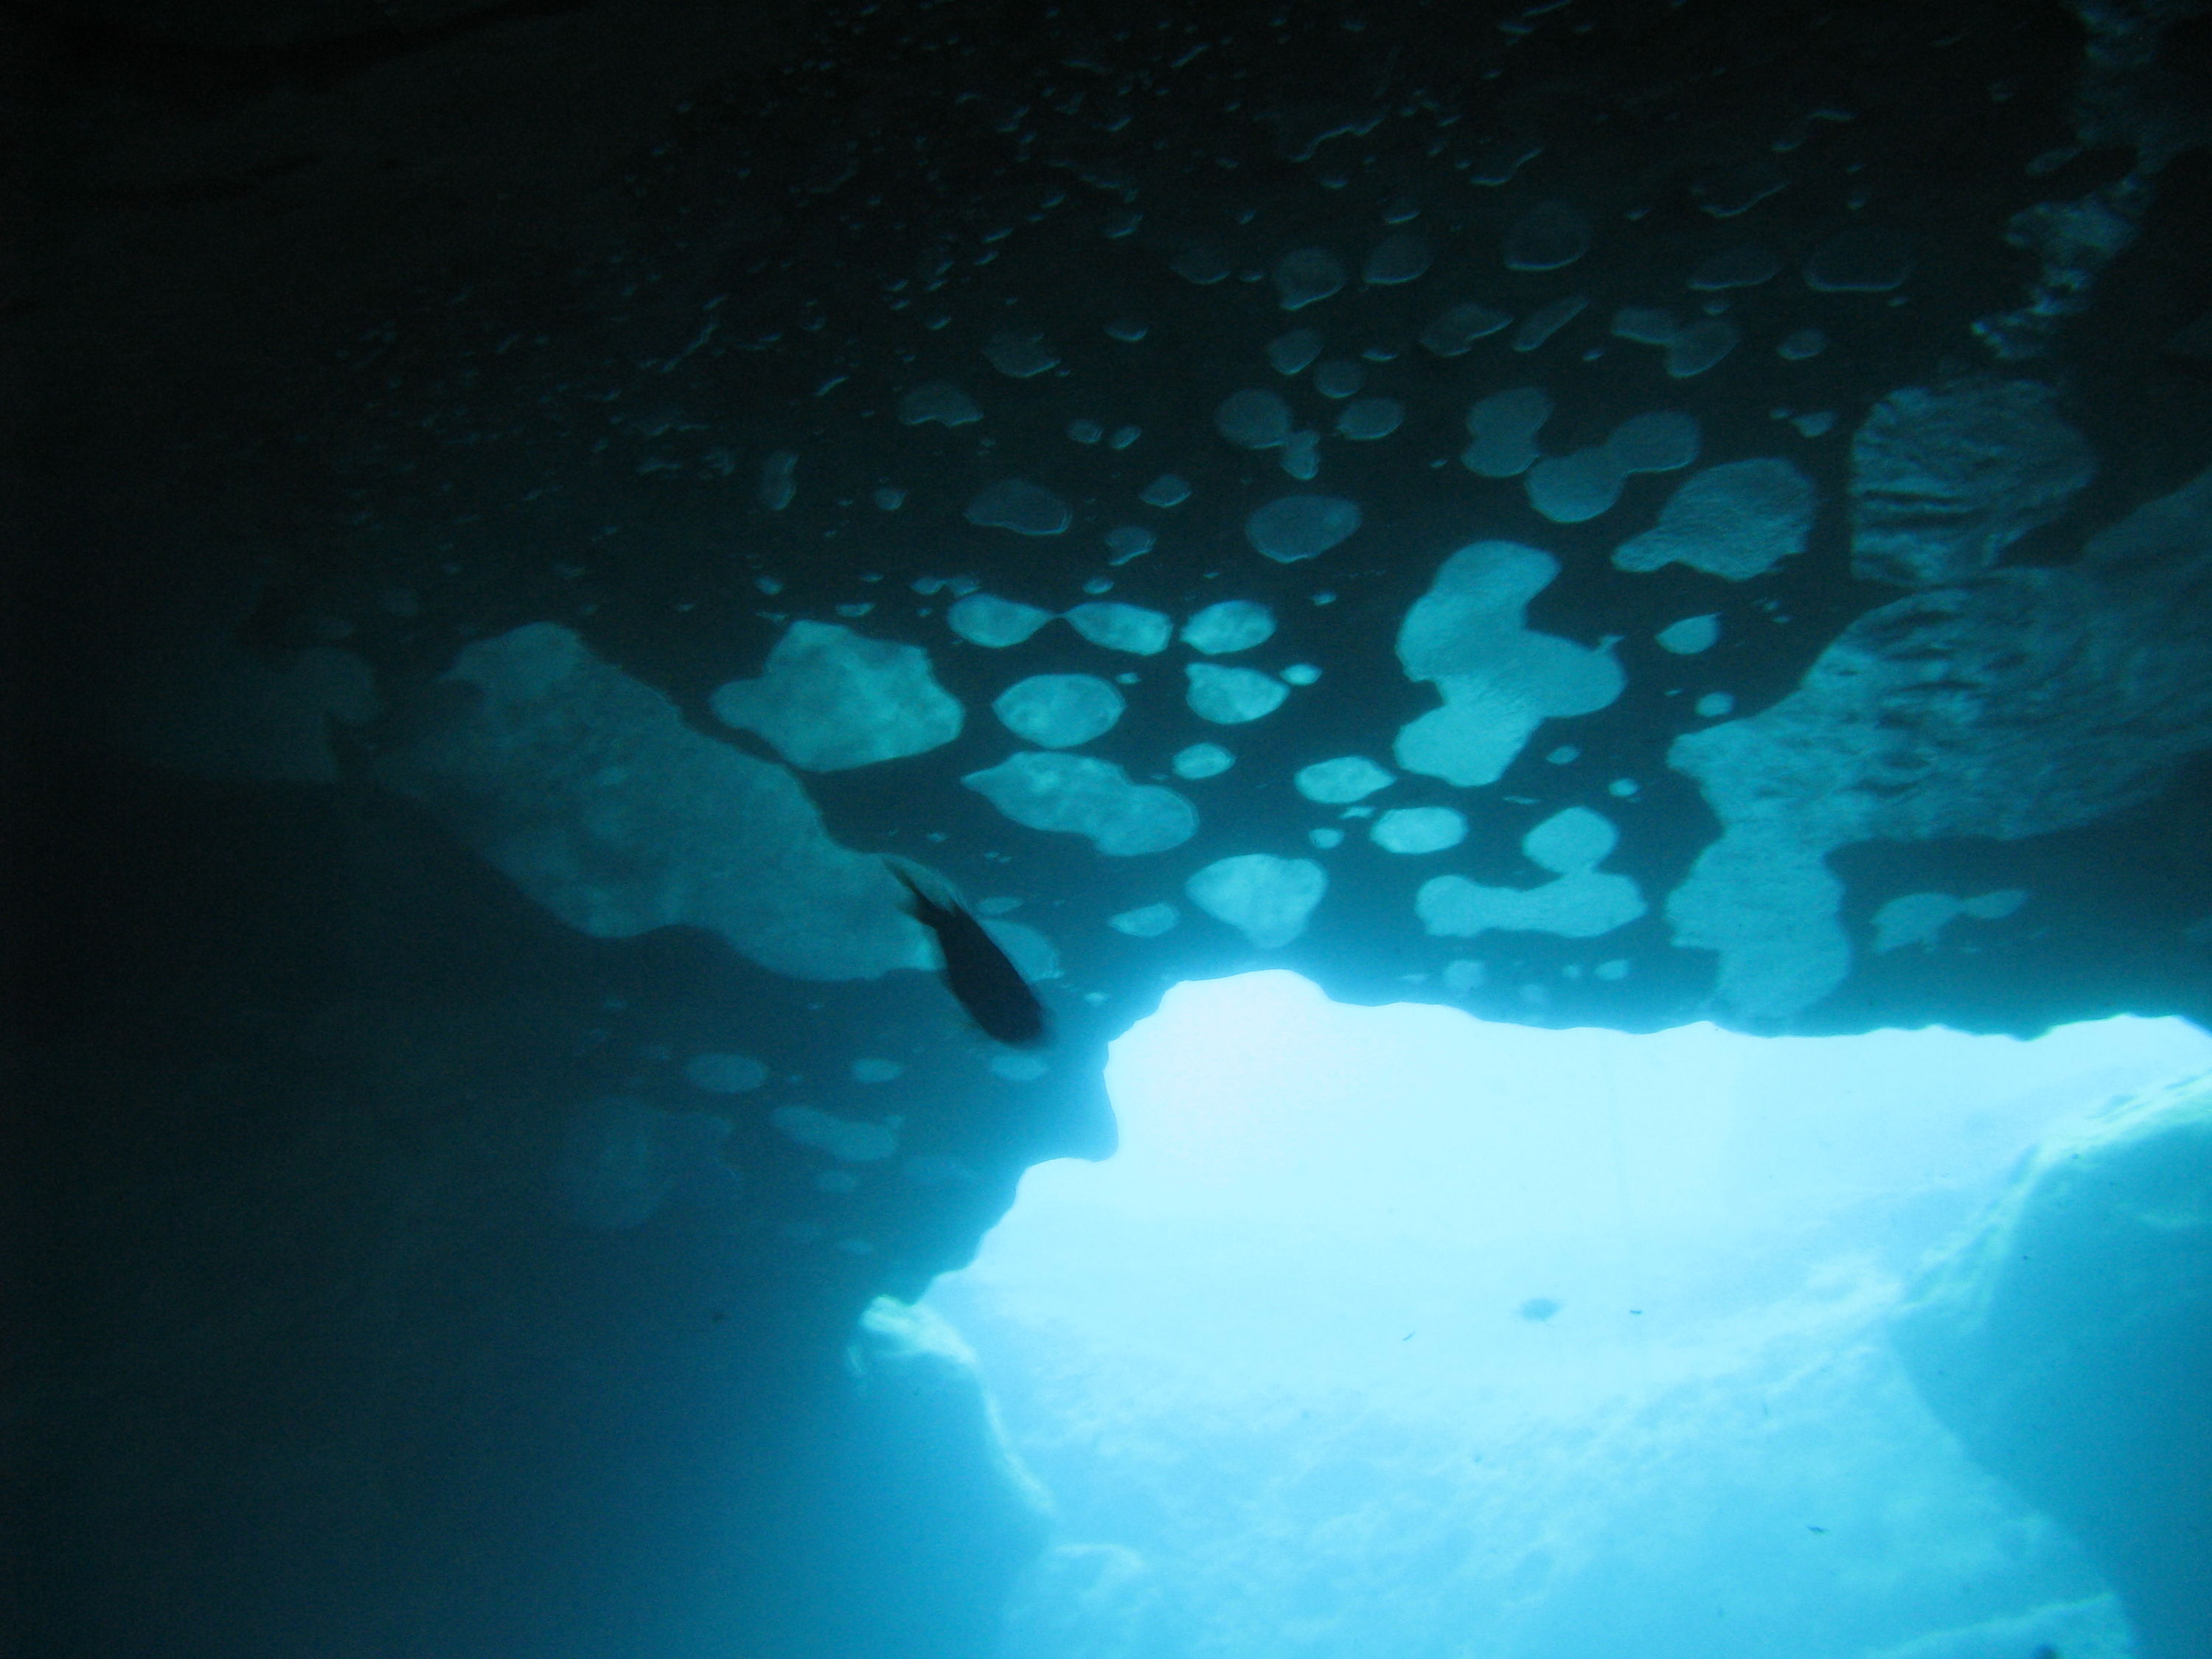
(1294, 353)
(1085, 431)
(1645, 324)
(1576, 839)
(1699, 346)
(1128, 541)
(1148, 921)
(1339, 377)
(1018, 1069)
(1504, 427)
(1367, 418)
(1661, 441)
(1202, 760)
(1166, 490)
(1201, 265)
(1714, 704)
(1747, 266)
(1017, 505)
(1230, 626)
(778, 480)
(1306, 276)
(1397, 259)
(1339, 782)
(1864, 259)
(1690, 635)
(1549, 235)
(1301, 456)
(724, 1075)
(985, 619)
(1120, 627)
(1230, 697)
(1570, 488)
(1059, 711)
(1294, 527)
(889, 499)
(1456, 330)
(1122, 436)
(1301, 673)
(1419, 830)
(939, 401)
(1805, 342)
(1019, 356)
(1128, 330)
(1540, 325)
(1264, 898)
(1253, 420)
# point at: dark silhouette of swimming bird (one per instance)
(976, 970)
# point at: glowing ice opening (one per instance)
(1392, 1331)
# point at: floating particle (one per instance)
(1020, 357)
(1128, 541)
(1253, 420)
(1736, 520)
(1504, 427)
(1119, 627)
(1699, 346)
(1301, 673)
(1306, 276)
(1412, 830)
(1645, 324)
(1805, 342)
(1230, 697)
(1267, 899)
(984, 619)
(1736, 190)
(1456, 330)
(778, 480)
(1199, 264)
(1230, 626)
(1339, 782)
(1166, 490)
(1365, 418)
(1294, 527)
(1059, 711)
(1294, 352)
(1402, 258)
(1147, 922)
(1864, 259)
(1690, 635)
(1082, 795)
(1122, 436)
(724, 1075)
(1540, 325)
(1745, 266)
(1128, 330)
(888, 498)
(1017, 505)
(1301, 455)
(1085, 431)
(1202, 760)
(1661, 441)
(1714, 704)
(939, 401)
(1549, 235)
(1571, 489)
(1339, 377)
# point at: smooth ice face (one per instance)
(1549, 235)
(1414, 829)
(1059, 711)
(939, 401)
(1944, 479)
(1738, 520)
(1267, 899)
(588, 789)
(1253, 420)
(1119, 627)
(1690, 635)
(1230, 626)
(1306, 276)
(829, 700)
(1230, 697)
(1339, 783)
(984, 619)
(1078, 795)
(1498, 679)
(1580, 903)
(1504, 427)
(1017, 505)
(1294, 527)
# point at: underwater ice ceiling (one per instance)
(1551, 517)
